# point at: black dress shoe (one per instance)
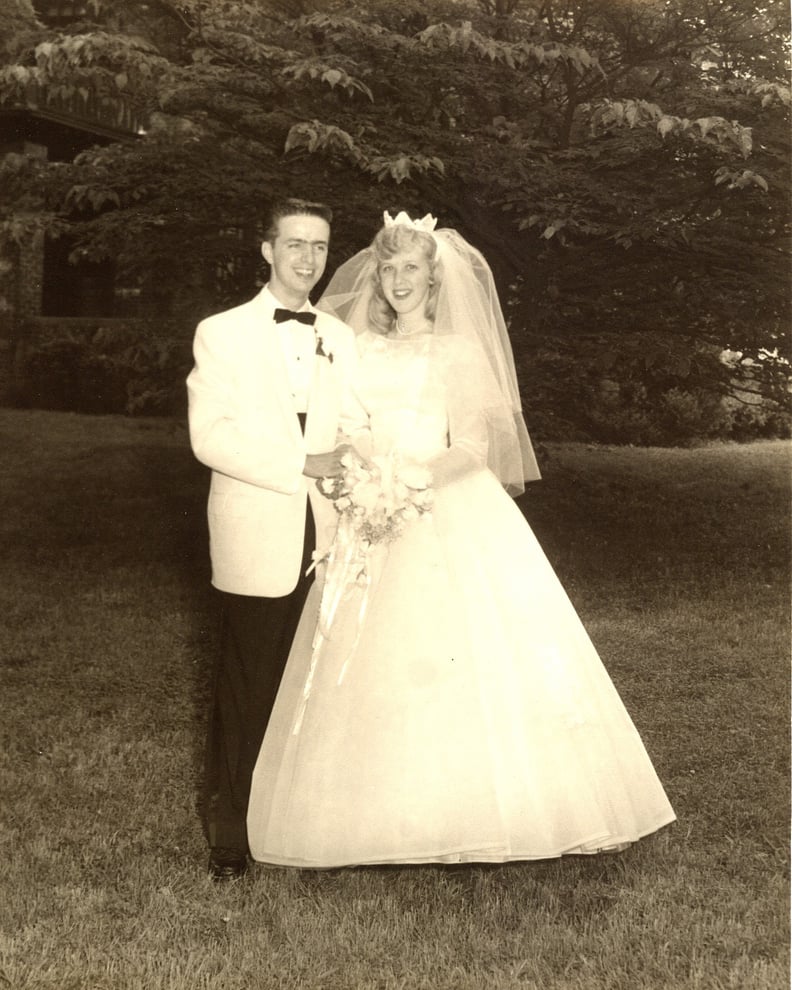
(227, 864)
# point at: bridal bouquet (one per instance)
(374, 502)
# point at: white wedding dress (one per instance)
(469, 717)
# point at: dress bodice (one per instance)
(401, 386)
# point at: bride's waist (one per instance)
(420, 436)
(419, 452)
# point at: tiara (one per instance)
(426, 224)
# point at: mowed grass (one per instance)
(677, 560)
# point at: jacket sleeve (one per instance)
(247, 444)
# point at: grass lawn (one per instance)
(677, 561)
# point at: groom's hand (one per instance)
(327, 465)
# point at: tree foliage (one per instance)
(622, 163)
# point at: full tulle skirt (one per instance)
(467, 718)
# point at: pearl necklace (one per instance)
(404, 332)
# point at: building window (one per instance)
(84, 288)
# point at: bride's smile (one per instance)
(405, 280)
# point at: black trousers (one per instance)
(256, 635)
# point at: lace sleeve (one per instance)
(467, 416)
(355, 425)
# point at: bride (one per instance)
(452, 708)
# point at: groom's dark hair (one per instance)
(292, 207)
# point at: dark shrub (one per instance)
(134, 368)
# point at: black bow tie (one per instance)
(283, 315)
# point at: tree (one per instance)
(622, 164)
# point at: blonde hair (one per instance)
(392, 240)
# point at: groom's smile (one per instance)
(297, 257)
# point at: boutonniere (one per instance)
(320, 349)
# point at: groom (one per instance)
(265, 399)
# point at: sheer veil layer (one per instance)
(467, 308)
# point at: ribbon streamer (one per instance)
(347, 569)
(373, 505)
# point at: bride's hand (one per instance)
(414, 475)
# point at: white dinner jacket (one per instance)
(243, 425)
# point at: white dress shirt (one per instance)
(298, 341)
(299, 349)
